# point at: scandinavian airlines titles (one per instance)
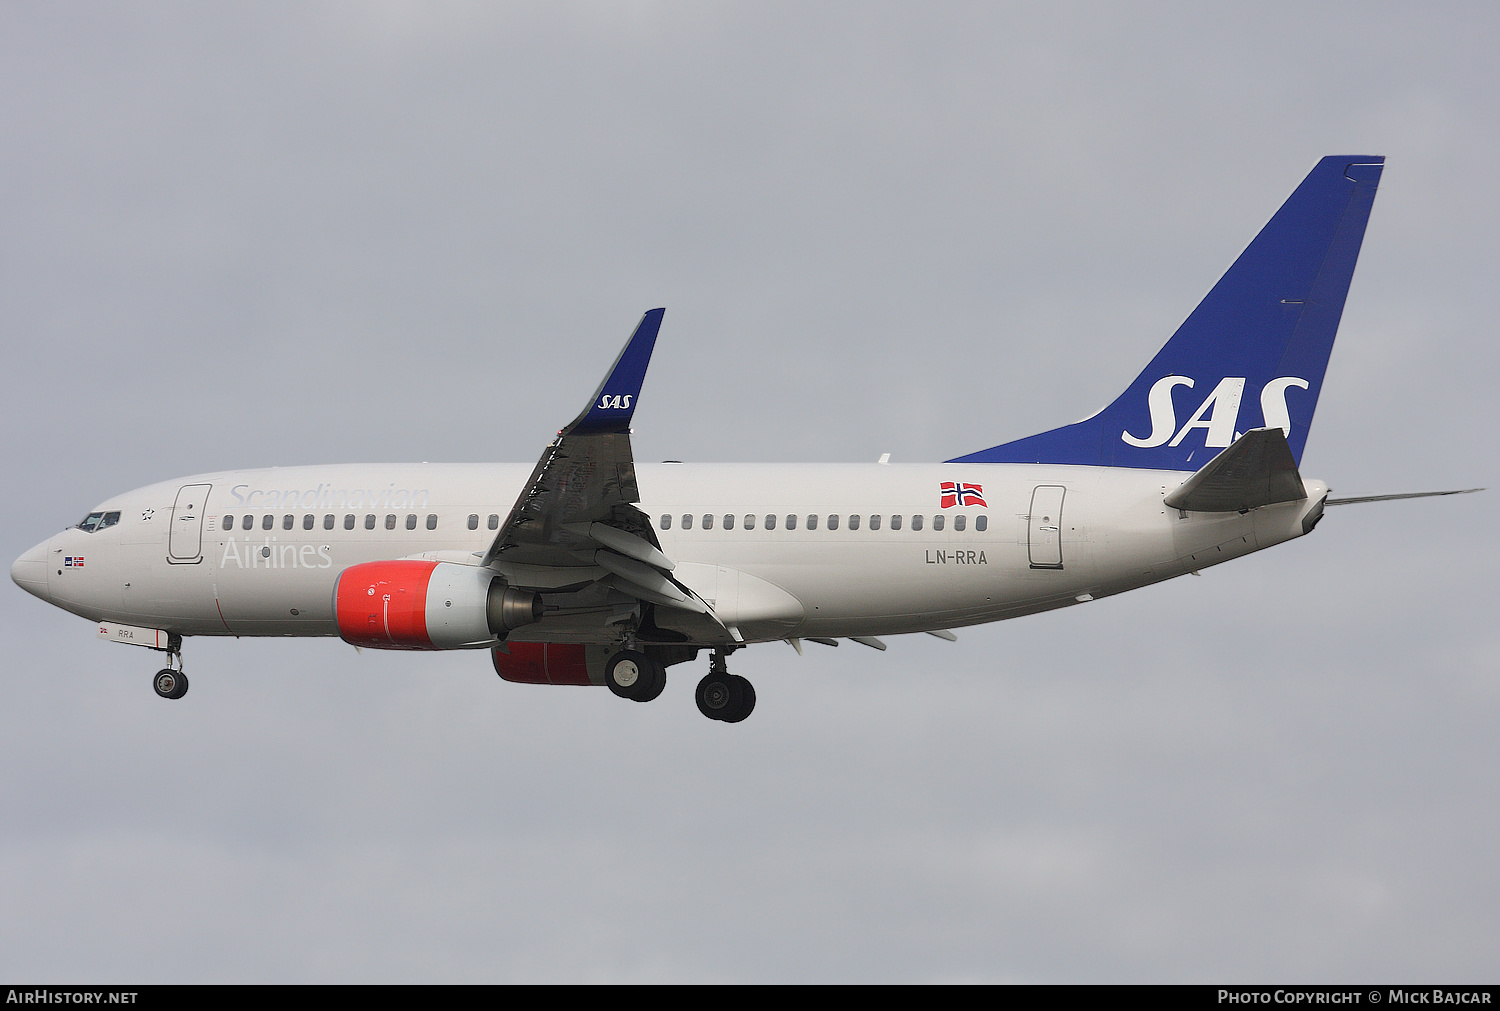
(326, 496)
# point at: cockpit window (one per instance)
(94, 522)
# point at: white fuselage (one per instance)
(171, 563)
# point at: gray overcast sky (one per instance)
(245, 235)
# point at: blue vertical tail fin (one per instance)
(1252, 355)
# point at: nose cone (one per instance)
(30, 572)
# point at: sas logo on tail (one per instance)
(615, 403)
(956, 494)
(1217, 415)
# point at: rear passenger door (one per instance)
(1044, 540)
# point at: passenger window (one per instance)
(812, 521)
(687, 521)
(959, 521)
(288, 521)
(307, 521)
(411, 521)
(770, 521)
(432, 521)
(875, 522)
(369, 521)
(390, 521)
(854, 522)
(267, 521)
(248, 523)
(328, 521)
(708, 521)
(980, 522)
(749, 521)
(473, 521)
(833, 521)
(895, 522)
(937, 521)
(729, 521)
(916, 522)
(666, 522)
(791, 521)
(494, 521)
(348, 521)
(228, 523)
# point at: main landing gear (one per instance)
(638, 676)
(724, 696)
(635, 676)
(170, 682)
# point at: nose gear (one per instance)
(170, 682)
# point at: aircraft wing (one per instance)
(1257, 469)
(578, 508)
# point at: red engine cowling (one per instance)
(416, 604)
(552, 663)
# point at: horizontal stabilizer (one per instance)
(1257, 469)
(1357, 500)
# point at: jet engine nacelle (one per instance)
(552, 663)
(416, 604)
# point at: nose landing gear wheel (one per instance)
(170, 684)
(635, 676)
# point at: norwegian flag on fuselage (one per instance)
(956, 494)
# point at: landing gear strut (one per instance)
(634, 675)
(170, 682)
(724, 696)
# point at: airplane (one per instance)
(605, 571)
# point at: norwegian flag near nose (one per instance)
(956, 494)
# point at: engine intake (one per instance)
(415, 604)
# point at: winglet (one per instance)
(614, 401)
